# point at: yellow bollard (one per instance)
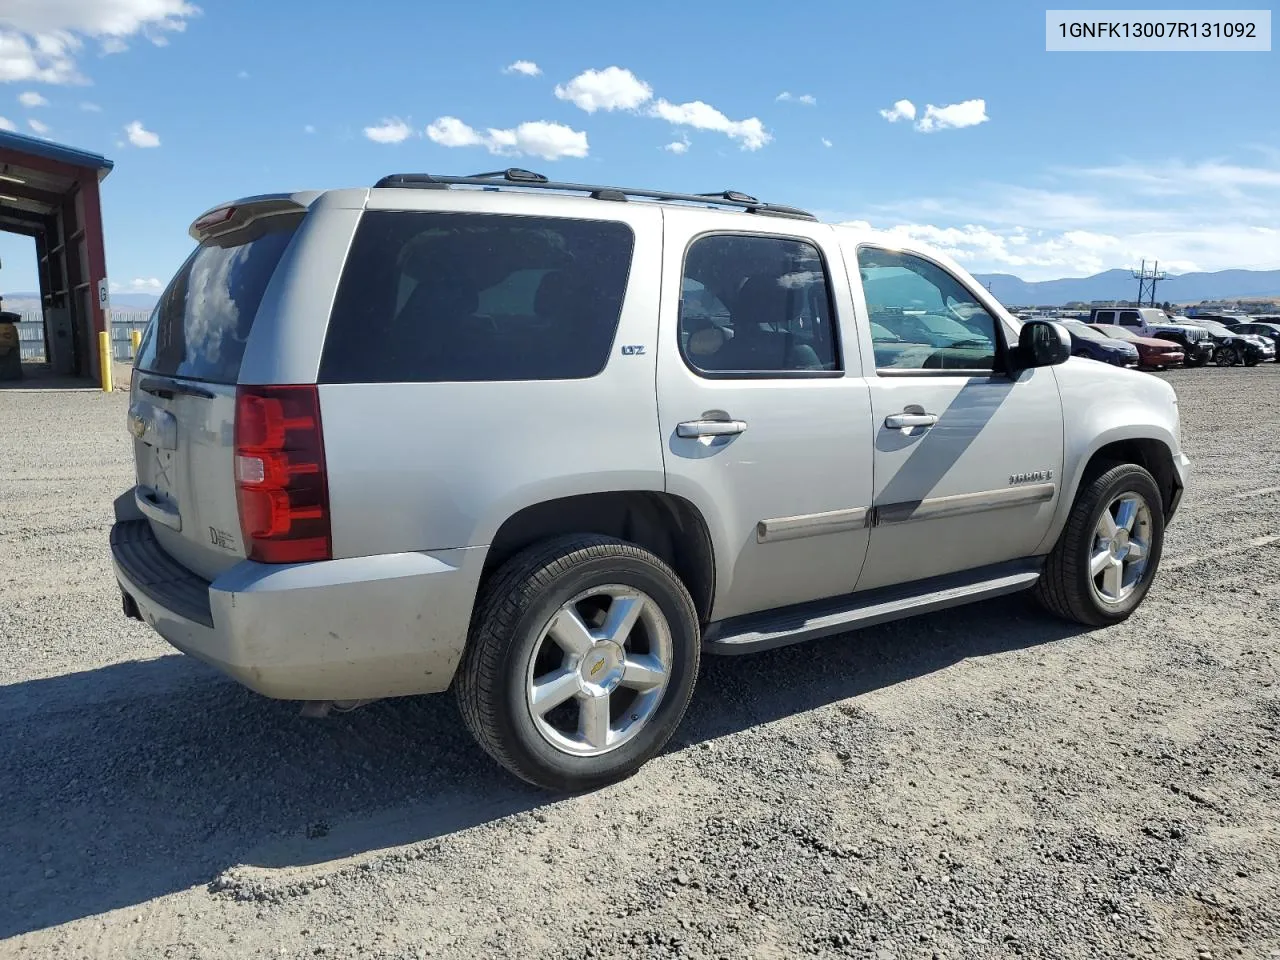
(135, 338)
(104, 359)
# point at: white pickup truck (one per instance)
(1153, 322)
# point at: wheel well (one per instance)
(1151, 455)
(668, 526)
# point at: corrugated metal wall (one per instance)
(31, 334)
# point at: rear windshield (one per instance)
(199, 328)
(431, 297)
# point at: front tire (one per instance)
(581, 662)
(1103, 563)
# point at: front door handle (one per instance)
(691, 429)
(905, 421)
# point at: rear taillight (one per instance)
(281, 486)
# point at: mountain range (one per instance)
(1120, 285)
(1011, 290)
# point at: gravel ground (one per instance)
(983, 783)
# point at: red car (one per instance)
(1152, 353)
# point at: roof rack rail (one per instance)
(518, 177)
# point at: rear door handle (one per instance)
(162, 511)
(710, 428)
(905, 421)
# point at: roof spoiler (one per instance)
(230, 217)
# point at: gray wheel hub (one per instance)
(1121, 548)
(598, 670)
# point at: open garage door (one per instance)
(49, 192)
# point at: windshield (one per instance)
(1083, 330)
(1114, 332)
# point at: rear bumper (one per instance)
(353, 629)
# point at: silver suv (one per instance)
(546, 443)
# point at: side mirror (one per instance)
(1041, 343)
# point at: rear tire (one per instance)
(581, 662)
(1226, 357)
(1093, 575)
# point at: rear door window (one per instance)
(430, 297)
(1130, 318)
(199, 328)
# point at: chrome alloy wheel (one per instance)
(1121, 548)
(598, 670)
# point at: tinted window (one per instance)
(202, 321)
(1117, 333)
(1086, 332)
(931, 319)
(466, 296)
(1104, 316)
(756, 305)
(1129, 318)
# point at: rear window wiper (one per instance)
(167, 388)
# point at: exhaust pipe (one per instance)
(319, 709)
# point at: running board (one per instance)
(823, 618)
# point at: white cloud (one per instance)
(539, 138)
(115, 18)
(807, 99)
(901, 110)
(138, 285)
(47, 58)
(826, 142)
(702, 116)
(678, 147)
(7, 124)
(140, 136)
(38, 127)
(30, 98)
(526, 67)
(452, 132)
(242, 75)
(389, 131)
(309, 128)
(40, 39)
(111, 45)
(1205, 215)
(90, 107)
(954, 116)
(613, 88)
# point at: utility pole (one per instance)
(1147, 280)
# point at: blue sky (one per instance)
(1013, 159)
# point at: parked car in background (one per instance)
(1226, 319)
(1197, 345)
(1153, 352)
(1088, 342)
(1267, 329)
(1231, 347)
